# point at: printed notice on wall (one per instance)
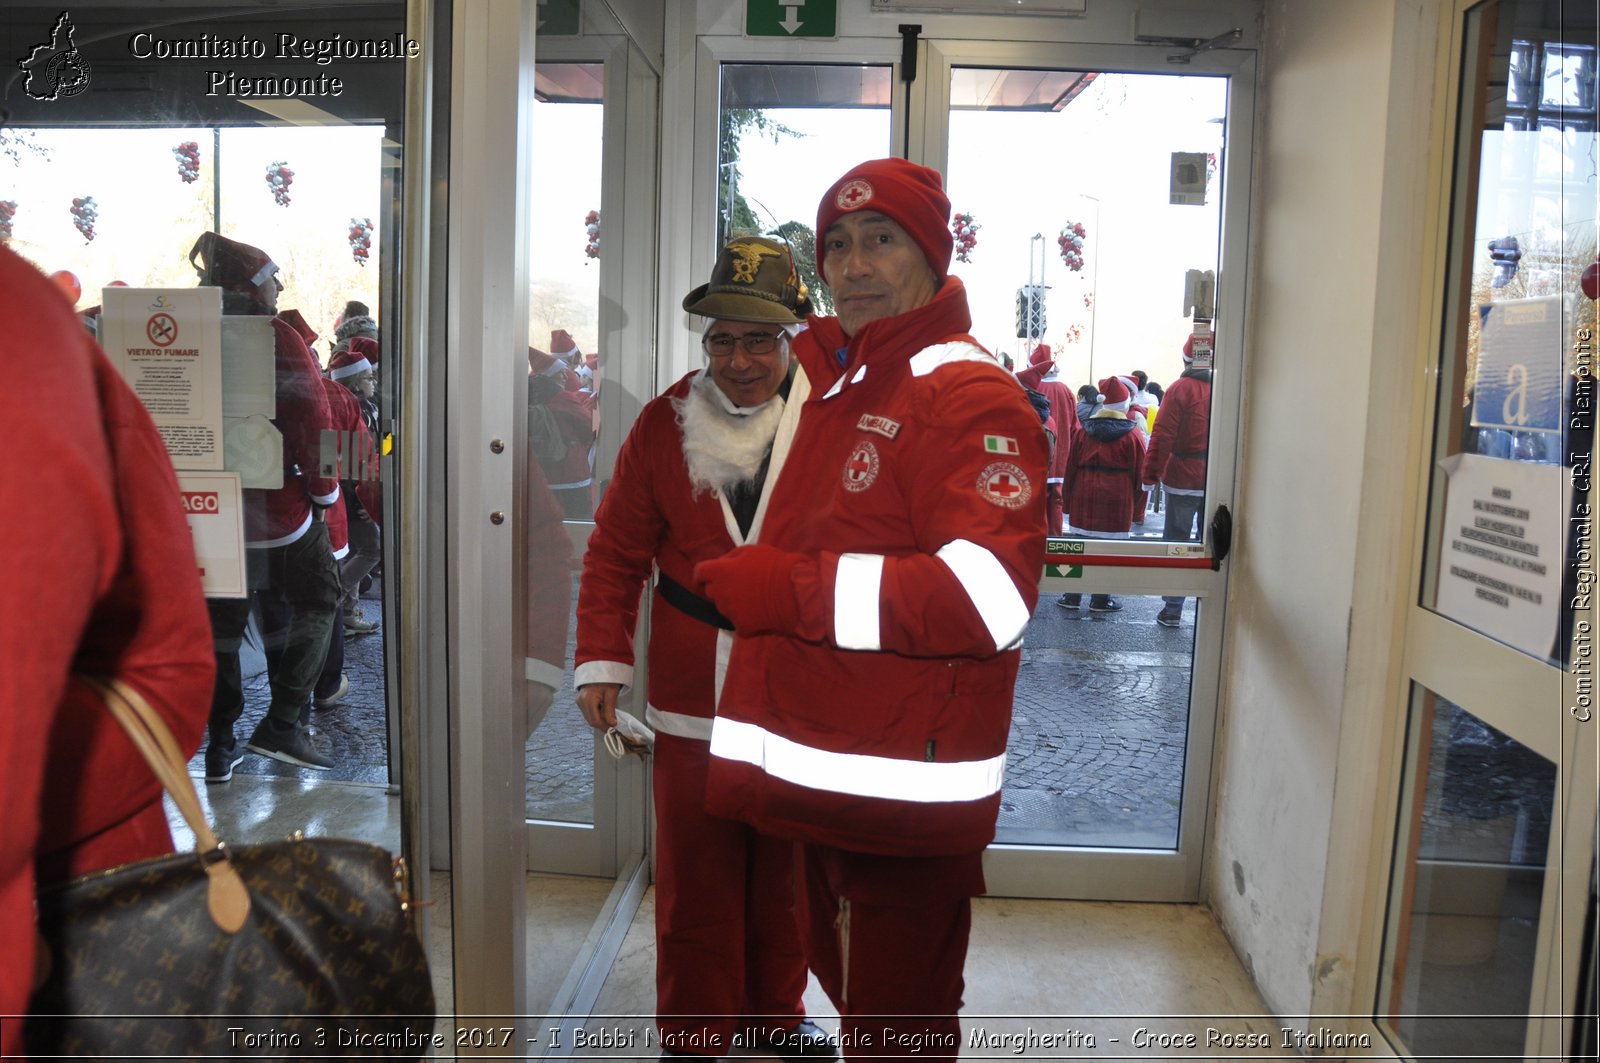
(212, 503)
(1500, 572)
(167, 342)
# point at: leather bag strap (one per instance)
(226, 897)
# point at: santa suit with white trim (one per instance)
(868, 698)
(727, 940)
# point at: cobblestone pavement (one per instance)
(1095, 752)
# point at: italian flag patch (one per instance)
(1000, 445)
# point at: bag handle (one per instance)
(227, 899)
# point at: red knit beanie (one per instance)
(1041, 355)
(911, 195)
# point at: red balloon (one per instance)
(67, 281)
(117, 284)
(1591, 280)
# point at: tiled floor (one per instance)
(1078, 978)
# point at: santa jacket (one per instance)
(1063, 403)
(277, 517)
(1177, 456)
(880, 724)
(651, 514)
(97, 577)
(1103, 474)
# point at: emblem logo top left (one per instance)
(55, 69)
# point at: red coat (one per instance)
(918, 514)
(651, 515)
(344, 415)
(1063, 407)
(281, 516)
(1177, 456)
(1103, 475)
(99, 578)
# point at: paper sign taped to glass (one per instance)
(1501, 559)
(1521, 365)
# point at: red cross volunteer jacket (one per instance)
(868, 696)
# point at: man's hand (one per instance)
(598, 703)
(753, 586)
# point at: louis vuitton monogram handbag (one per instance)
(295, 949)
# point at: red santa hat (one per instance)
(1041, 355)
(298, 321)
(229, 264)
(911, 195)
(562, 345)
(539, 361)
(347, 363)
(365, 347)
(1114, 394)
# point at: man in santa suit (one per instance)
(288, 557)
(879, 620)
(691, 482)
(1041, 376)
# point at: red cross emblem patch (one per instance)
(1005, 485)
(853, 195)
(861, 467)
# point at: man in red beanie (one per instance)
(868, 696)
(290, 565)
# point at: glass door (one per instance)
(1094, 203)
(1491, 887)
(1108, 764)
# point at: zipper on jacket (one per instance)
(928, 756)
(841, 923)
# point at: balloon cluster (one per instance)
(279, 178)
(1071, 243)
(591, 225)
(84, 212)
(360, 239)
(188, 155)
(8, 210)
(966, 233)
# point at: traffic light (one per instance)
(1030, 311)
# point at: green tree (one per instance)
(736, 215)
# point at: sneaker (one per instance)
(356, 624)
(291, 745)
(222, 759)
(1103, 603)
(337, 696)
(1069, 601)
(1170, 615)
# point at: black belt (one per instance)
(689, 603)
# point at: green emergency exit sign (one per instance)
(558, 18)
(791, 18)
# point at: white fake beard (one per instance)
(724, 444)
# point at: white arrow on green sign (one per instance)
(791, 18)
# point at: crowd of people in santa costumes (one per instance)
(877, 622)
(1102, 482)
(291, 571)
(693, 480)
(561, 428)
(100, 581)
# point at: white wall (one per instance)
(1328, 285)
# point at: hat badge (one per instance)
(853, 194)
(747, 260)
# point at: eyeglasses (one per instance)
(721, 344)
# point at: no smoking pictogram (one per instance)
(162, 329)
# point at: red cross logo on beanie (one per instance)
(853, 194)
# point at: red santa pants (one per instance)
(727, 944)
(887, 938)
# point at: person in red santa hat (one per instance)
(878, 621)
(291, 570)
(1177, 461)
(692, 481)
(1041, 376)
(561, 432)
(355, 371)
(1102, 482)
(100, 581)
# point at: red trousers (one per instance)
(887, 938)
(727, 944)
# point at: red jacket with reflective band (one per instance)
(880, 725)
